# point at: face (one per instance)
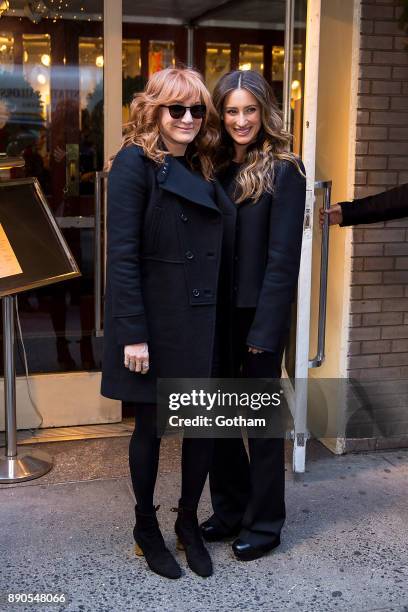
(242, 116)
(179, 132)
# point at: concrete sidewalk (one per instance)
(344, 548)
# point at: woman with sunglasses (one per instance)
(267, 184)
(163, 257)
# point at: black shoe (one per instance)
(150, 544)
(213, 531)
(248, 552)
(189, 540)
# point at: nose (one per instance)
(241, 120)
(187, 117)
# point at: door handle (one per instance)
(99, 280)
(319, 358)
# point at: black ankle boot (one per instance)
(150, 544)
(189, 539)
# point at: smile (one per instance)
(243, 131)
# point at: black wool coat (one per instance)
(267, 254)
(392, 204)
(167, 228)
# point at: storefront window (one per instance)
(217, 62)
(251, 58)
(51, 113)
(161, 55)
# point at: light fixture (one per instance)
(3, 48)
(295, 84)
(45, 59)
(99, 61)
(41, 78)
(246, 66)
(4, 6)
(36, 10)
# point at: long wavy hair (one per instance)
(165, 87)
(272, 142)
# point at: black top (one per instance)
(267, 252)
(392, 204)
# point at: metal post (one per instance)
(14, 466)
(190, 46)
(9, 377)
(288, 63)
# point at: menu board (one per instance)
(33, 251)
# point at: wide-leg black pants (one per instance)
(250, 492)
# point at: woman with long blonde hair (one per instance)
(267, 183)
(163, 257)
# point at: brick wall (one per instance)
(378, 341)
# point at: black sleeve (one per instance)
(284, 250)
(126, 206)
(392, 204)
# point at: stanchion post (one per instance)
(28, 464)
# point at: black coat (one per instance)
(392, 204)
(267, 254)
(167, 227)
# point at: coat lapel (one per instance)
(174, 177)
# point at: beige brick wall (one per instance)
(378, 341)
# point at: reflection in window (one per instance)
(90, 74)
(132, 80)
(278, 56)
(251, 58)
(6, 66)
(161, 55)
(6, 51)
(37, 67)
(91, 111)
(217, 62)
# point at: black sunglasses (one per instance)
(177, 111)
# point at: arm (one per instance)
(284, 249)
(126, 205)
(392, 204)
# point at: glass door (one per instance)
(52, 98)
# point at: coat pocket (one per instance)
(153, 230)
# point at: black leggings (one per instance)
(144, 449)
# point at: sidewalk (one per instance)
(344, 548)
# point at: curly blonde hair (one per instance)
(272, 143)
(165, 87)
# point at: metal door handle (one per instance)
(100, 205)
(317, 361)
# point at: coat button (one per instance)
(183, 217)
(196, 293)
(189, 255)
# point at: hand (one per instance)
(255, 351)
(136, 357)
(59, 153)
(334, 213)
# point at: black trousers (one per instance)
(250, 492)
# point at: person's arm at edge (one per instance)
(392, 204)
